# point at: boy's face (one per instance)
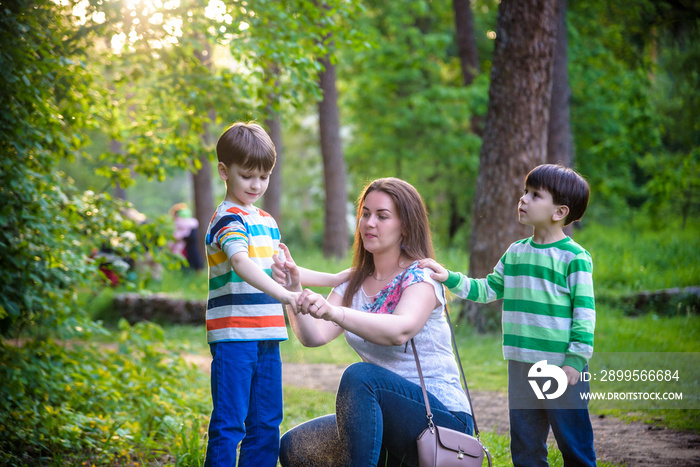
(243, 186)
(536, 207)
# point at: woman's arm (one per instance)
(410, 315)
(314, 332)
(309, 277)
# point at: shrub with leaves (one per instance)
(76, 403)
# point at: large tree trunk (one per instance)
(335, 238)
(515, 136)
(466, 43)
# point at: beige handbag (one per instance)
(442, 447)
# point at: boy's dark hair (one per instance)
(247, 145)
(565, 185)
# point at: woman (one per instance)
(387, 301)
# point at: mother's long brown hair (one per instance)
(416, 239)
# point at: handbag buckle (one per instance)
(460, 455)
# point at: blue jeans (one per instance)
(246, 390)
(378, 417)
(529, 427)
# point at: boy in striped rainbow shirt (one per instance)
(546, 285)
(245, 320)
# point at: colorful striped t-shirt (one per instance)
(237, 311)
(548, 302)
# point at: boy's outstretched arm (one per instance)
(253, 275)
(441, 274)
(477, 290)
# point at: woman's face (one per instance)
(380, 226)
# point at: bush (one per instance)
(75, 403)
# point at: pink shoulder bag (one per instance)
(442, 447)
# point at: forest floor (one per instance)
(625, 443)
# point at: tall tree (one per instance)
(515, 137)
(272, 202)
(560, 142)
(469, 65)
(466, 43)
(335, 236)
(203, 192)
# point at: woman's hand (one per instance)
(285, 270)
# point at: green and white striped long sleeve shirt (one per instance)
(548, 301)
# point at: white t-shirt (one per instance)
(433, 342)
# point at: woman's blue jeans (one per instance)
(378, 417)
(246, 389)
(529, 427)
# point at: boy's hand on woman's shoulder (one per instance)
(441, 274)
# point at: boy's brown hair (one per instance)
(567, 188)
(247, 145)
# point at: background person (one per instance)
(185, 235)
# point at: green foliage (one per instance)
(48, 229)
(633, 75)
(409, 112)
(101, 404)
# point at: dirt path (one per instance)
(632, 444)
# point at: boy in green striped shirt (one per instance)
(548, 319)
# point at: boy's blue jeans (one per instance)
(246, 389)
(529, 427)
(378, 417)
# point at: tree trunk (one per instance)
(116, 147)
(335, 238)
(272, 201)
(515, 136)
(466, 43)
(469, 63)
(202, 179)
(560, 143)
(203, 193)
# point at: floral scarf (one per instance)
(389, 297)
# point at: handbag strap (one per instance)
(461, 370)
(428, 411)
